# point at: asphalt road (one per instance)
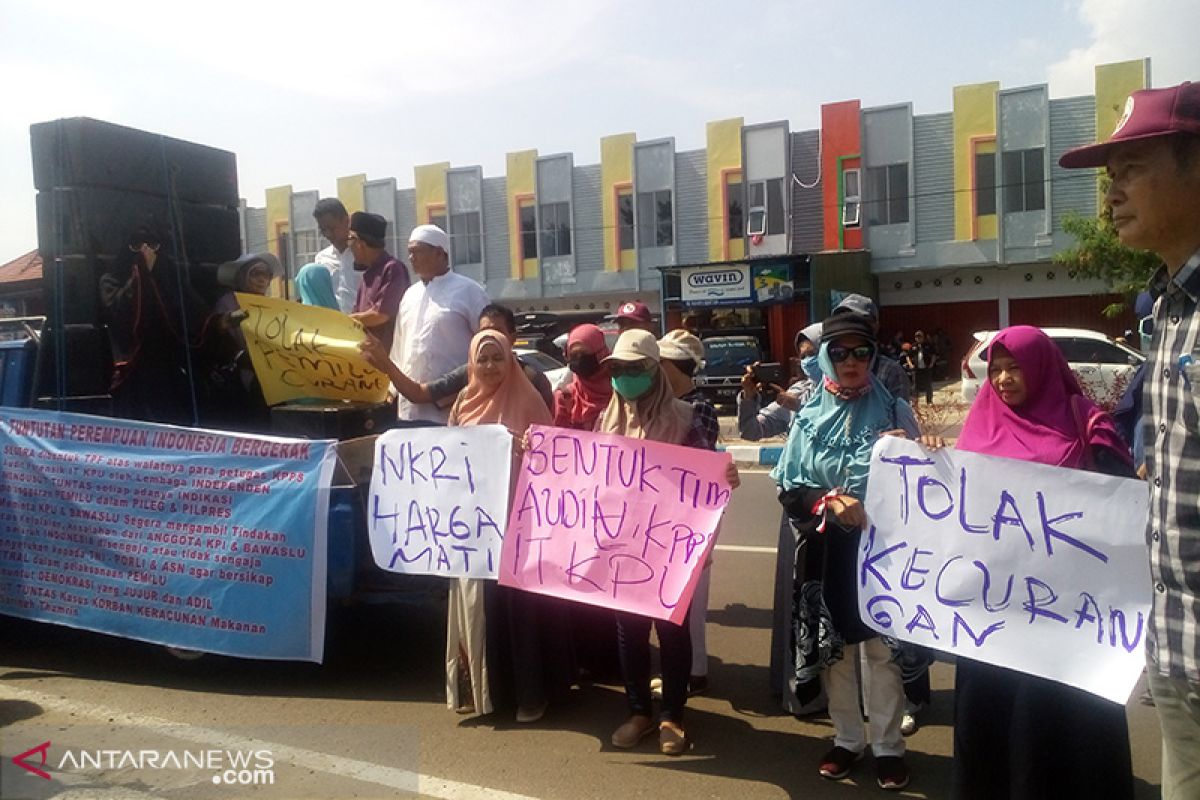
(372, 722)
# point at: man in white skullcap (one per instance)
(438, 316)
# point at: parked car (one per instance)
(1104, 367)
(555, 371)
(725, 361)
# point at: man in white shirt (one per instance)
(334, 224)
(438, 316)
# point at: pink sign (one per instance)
(612, 521)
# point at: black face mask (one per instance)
(585, 366)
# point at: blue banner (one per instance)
(198, 539)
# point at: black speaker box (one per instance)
(86, 152)
(89, 365)
(332, 420)
(97, 222)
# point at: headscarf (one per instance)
(657, 415)
(829, 445)
(315, 284)
(513, 402)
(1049, 427)
(590, 396)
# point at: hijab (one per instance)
(1049, 427)
(829, 445)
(590, 395)
(513, 402)
(657, 415)
(315, 285)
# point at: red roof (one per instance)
(25, 268)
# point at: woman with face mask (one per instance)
(579, 403)
(643, 406)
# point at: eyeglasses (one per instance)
(618, 369)
(863, 352)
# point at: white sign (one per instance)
(728, 283)
(1035, 568)
(439, 500)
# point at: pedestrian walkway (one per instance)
(944, 418)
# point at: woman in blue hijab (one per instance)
(315, 285)
(823, 479)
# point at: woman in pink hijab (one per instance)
(1018, 735)
(581, 402)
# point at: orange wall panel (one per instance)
(840, 136)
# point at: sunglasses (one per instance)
(618, 369)
(863, 352)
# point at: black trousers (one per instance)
(675, 655)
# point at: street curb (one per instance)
(754, 455)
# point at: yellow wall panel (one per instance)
(429, 182)
(616, 166)
(974, 115)
(1114, 84)
(724, 151)
(350, 192)
(521, 181)
(279, 206)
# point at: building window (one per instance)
(528, 232)
(307, 244)
(765, 199)
(625, 220)
(556, 229)
(466, 238)
(887, 192)
(1024, 175)
(654, 219)
(735, 208)
(985, 184)
(851, 198)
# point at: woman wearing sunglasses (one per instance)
(823, 479)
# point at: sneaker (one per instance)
(672, 740)
(836, 764)
(632, 731)
(908, 722)
(891, 772)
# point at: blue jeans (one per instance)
(675, 655)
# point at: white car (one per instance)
(1104, 367)
(554, 370)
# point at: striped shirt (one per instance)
(1172, 434)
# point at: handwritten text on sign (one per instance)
(612, 521)
(307, 351)
(1035, 568)
(439, 498)
(186, 537)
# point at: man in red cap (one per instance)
(634, 315)
(1153, 161)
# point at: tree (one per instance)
(1098, 253)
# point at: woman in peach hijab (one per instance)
(510, 647)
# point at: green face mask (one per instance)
(631, 387)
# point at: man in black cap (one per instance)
(890, 373)
(384, 279)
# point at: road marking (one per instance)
(399, 779)
(745, 548)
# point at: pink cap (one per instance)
(1148, 113)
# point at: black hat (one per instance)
(843, 324)
(371, 228)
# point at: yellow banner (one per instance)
(307, 351)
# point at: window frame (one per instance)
(471, 240)
(554, 229)
(654, 229)
(1030, 193)
(852, 201)
(528, 234)
(887, 201)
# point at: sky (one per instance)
(305, 92)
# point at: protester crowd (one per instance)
(448, 354)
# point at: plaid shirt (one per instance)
(705, 426)
(1172, 433)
